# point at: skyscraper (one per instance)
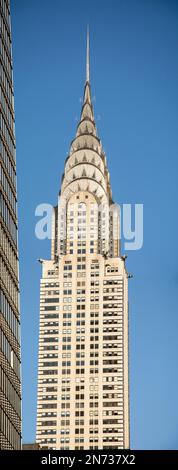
(10, 391)
(83, 393)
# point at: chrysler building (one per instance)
(83, 383)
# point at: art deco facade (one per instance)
(83, 394)
(10, 392)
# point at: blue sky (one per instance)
(134, 75)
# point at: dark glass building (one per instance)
(10, 389)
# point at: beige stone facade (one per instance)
(83, 390)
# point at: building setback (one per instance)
(10, 390)
(83, 393)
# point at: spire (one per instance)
(88, 56)
(86, 160)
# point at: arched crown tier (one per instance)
(86, 163)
